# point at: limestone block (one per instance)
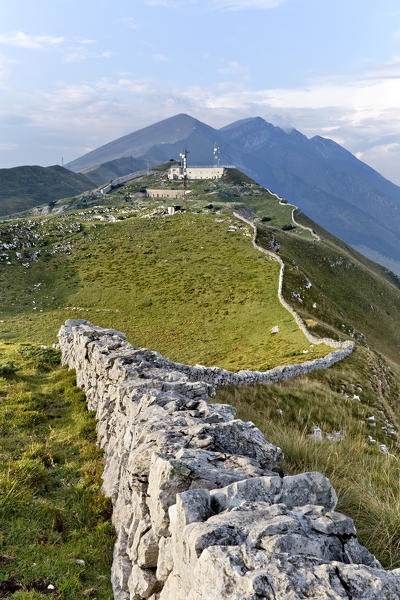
(333, 523)
(121, 567)
(293, 544)
(281, 524)
(142, 583)
(237, 437)
(167, 477)
(147, 553)
(139, 527)
(216, 469)
(308, 488)
(256, 489)
(357, 554)
(165, 562)
(193, 506)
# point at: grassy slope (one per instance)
(96, 269)
(352, 295)
(24, 187)
(366, 480)
(51, 511)
(348, 295)
(184, 285)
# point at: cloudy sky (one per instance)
(75, 74)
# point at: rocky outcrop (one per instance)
(200, 506)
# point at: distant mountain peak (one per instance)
(326, 181)
(247, 122)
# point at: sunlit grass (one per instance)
(186, 285)
(51, 510)
(366, 480)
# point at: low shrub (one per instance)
(8, 369)
(41, 357)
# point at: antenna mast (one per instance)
(216, 155)
(184, 156)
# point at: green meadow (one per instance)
(190, 286)
(55, 527)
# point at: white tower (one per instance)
(216, 155)
(183, 156)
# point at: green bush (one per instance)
(8, 369)
(41, 357)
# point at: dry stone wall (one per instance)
(348, 345)
(201, 509)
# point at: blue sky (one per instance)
(76, 74)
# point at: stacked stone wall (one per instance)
(201, 508)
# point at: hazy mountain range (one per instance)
(114, 168)
(327, 182)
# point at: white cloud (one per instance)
(129, 22)
(235, 5)
(175, 3)
(24, 40)
(384, 158)
(6, 147)
(5, 68)
(388, 70)
(220, 5)
(77, 54)
(158, 57)
(232, 68)
(160, 3)
(132, 86)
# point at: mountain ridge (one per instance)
(326, 181)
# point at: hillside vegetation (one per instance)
(192, 287)
(22, 188)
(56, 535)
(355, 405)
(336, 290)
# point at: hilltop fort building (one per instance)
(196, 172)
(184, 172)
(165, 193)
